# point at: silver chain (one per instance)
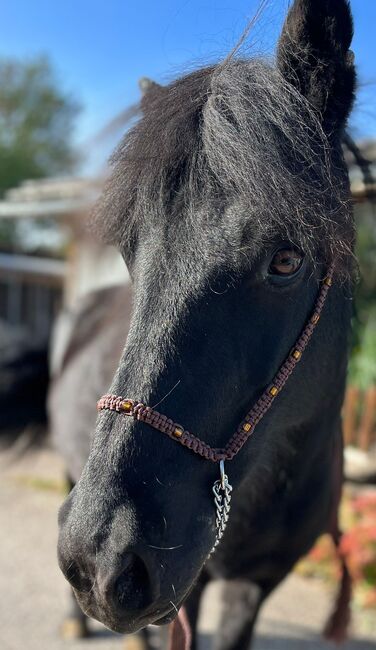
(222, 500)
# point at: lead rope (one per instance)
(337, 625)
(222, 488)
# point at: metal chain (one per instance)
(222, 500)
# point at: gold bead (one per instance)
(273, 391)
(127, 406)
(328, 281)
(296, 354)
(247, 427)
(178, 432)
(315, 318)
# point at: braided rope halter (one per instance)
(222, 488)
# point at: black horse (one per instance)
(229, 199)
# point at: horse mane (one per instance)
(231, 134)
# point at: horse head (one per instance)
(228, 199)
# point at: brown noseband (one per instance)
(146, 414)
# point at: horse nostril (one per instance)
(131, 589)
(76, 577)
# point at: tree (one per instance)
(36, 123)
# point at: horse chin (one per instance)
(126, 623)
(131, 626)
(166, 619)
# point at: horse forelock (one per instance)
(234, 134)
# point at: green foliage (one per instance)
(362, 368)
(36, 121)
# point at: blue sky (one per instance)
(100, 48)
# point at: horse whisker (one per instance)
(167, 394)
(174, 606)
(165, 548)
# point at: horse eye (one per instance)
(286, 262)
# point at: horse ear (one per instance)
(146, 85)
(313, 55)
(149, 90)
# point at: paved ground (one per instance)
(34, 595)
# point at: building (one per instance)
(33, 287)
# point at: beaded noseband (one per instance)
(222, 489)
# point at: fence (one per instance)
(359, 417)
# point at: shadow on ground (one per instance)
(288, 643)
(279, 642)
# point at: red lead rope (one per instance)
(247, 426)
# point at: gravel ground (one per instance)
(35, 594)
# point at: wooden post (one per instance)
(368, 419)
(350, 415)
